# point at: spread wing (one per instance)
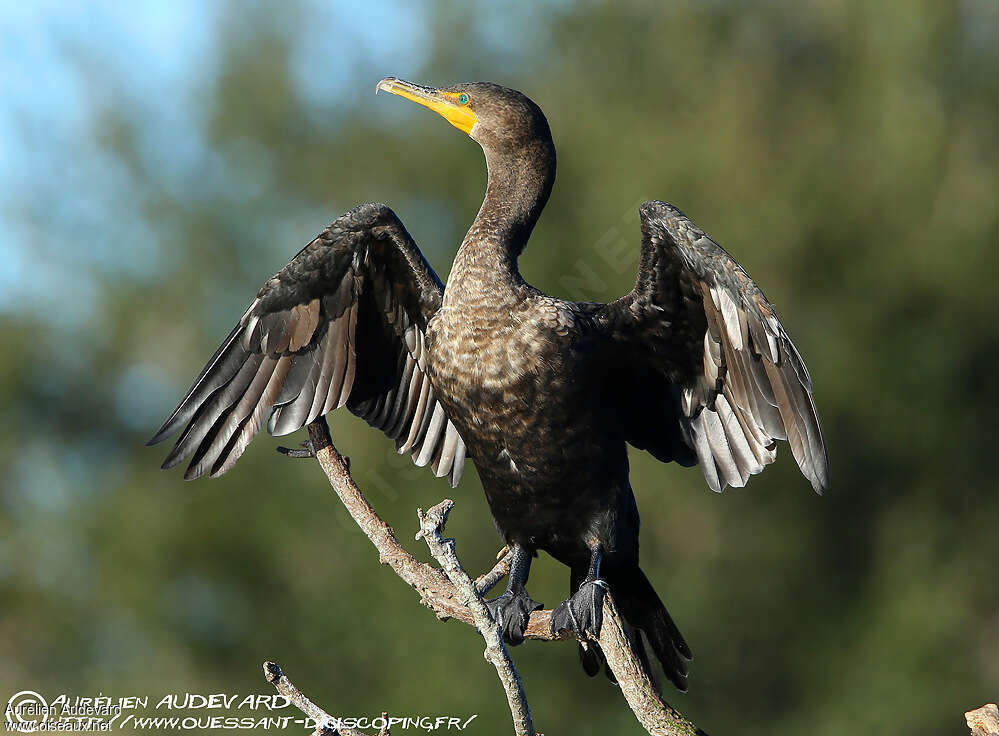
(342, 323)
(711, 376)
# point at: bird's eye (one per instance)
(462, 99)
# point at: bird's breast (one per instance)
(514, 383)
(480, 358)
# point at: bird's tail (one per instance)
(651, 631)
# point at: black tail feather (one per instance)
(591, 658)
(649, 627)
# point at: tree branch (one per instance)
(323, 720)
(431, 527)
(487, 581)
(447, 599)
(984, 721)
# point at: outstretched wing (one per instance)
(710, 376)
(342, 323)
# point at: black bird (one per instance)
(543, 394)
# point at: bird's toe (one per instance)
(511, 612)
(583, 612)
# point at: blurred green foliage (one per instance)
(846, 152)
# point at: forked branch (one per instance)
(451, 593)
(431, 529)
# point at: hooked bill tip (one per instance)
(385, 84)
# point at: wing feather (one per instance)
(351, 372)
(342, 324)
(697, 321)
(226, 362)
(209, 412)
(431, 436)
(213, 444)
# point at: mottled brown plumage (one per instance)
(543, 394)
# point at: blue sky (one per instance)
(61, 62)
(71, 220)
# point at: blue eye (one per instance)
(462, 99)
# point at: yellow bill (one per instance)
(451, 106)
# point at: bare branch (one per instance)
(323, 720)
(487, 580)
(431, 527)
(384, 730)
(656, 715)
(984, 721)
(440, 594)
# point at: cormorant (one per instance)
(542, 393)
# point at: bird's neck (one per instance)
(518, 186)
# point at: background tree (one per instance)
(156, 168)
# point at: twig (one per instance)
(431, 527)
(439, 594)
(487, 580)
(435, 590)
(984, 721)
(325, 723)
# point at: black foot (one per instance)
(511, 612)
(584, 612)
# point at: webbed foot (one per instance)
(511, 611)
(583, 613)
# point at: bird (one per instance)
(543, 394)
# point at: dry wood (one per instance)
(431, 530)
(462, 600)
(451, 593)
(323, 720)
(983, 721)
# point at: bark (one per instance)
(451, 593)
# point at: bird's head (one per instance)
(516, 140)
(498, 118)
